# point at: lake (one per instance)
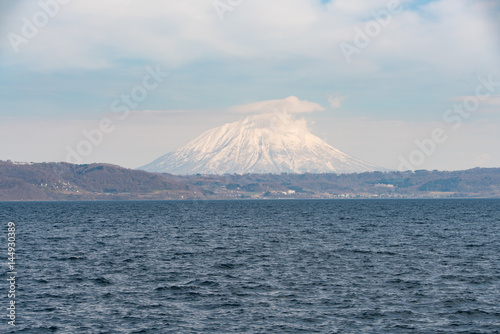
(285, 266)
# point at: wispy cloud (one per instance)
(290, 105)
(158, 112)
(487, 104)
(336, 100)
(179, 32)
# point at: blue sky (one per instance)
(395, 91)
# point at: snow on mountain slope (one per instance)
(264, 143)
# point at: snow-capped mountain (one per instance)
(265, 143)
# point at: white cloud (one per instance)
(153, 113)
(290, 105)
(175, 33)
(441, 40)
(336, 100)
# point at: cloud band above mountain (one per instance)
(290, 105)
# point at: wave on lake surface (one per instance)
(382, 266)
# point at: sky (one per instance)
(401, 84)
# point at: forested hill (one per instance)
(63, 181)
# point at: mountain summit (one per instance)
(264, 143)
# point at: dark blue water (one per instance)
(357, 266)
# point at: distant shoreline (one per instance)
(250, 200)
(104, 182)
